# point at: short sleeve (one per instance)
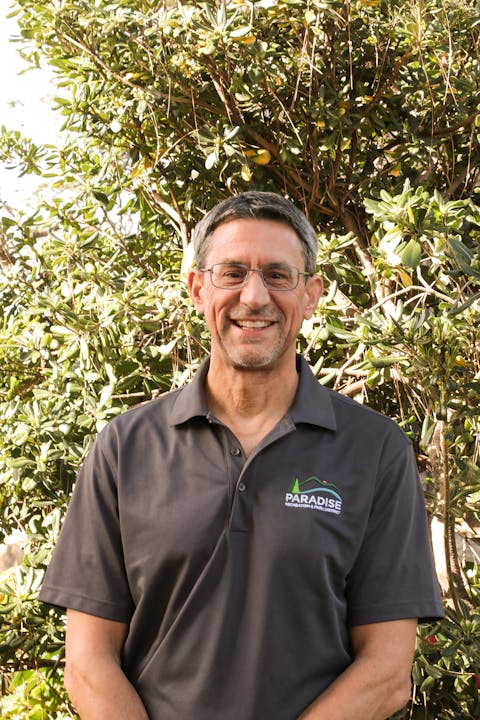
(87, 570)
(394, 575)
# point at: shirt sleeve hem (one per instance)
(427, 612)
(99, 608)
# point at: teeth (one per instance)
(253, 323)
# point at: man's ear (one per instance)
(314, 290)
(195, 288)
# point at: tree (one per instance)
(366, 115)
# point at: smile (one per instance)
(248, 324)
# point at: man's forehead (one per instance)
(253, 232)
(256, 243)
(246, 222)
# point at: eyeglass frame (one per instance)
(260, 272)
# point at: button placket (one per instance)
(235, 451)
(236, 463)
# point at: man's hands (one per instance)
(93, 676)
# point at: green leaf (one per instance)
(427, 684)
(211, 160)
(101, 196)
(434, 672)
(241, 31)
(386, 360)
(411, 254)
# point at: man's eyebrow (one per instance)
(278, 264)
(228, 261)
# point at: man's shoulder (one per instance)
(363, 419)
(340, 413)
(157, 418)
(347, 405)
(157, 410)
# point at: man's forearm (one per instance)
(377, 683)
(359, 694)
(102, 692)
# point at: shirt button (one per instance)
(235, 451)
(242, 487)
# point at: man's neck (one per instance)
(250, 401)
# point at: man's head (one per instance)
(254, 281)
(256, 205)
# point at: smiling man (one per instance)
(252, 546)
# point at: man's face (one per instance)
(252, 327)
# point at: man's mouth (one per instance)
(252, 324)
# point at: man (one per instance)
(252, 546)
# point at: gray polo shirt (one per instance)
(240, 576)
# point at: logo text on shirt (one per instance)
(314, 494)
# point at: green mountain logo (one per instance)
(295, 486)
(313, 484)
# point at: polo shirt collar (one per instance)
(312, 403)
(191, 400)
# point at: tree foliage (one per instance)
(365, 114)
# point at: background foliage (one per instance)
(365, 114)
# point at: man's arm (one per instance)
(93, 676)
(377, 683)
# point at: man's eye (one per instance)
(230, 274)
(233, 274)
(277, 275)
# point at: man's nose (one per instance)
(254, 293)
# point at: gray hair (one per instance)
(256, 205)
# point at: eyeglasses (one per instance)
(231, 276)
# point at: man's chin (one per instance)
(252, 356)
(253, 361)
(252, 365)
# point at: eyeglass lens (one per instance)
(275, 277)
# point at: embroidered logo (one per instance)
(314, 494)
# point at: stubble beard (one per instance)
(253, 355)
(242, 361)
